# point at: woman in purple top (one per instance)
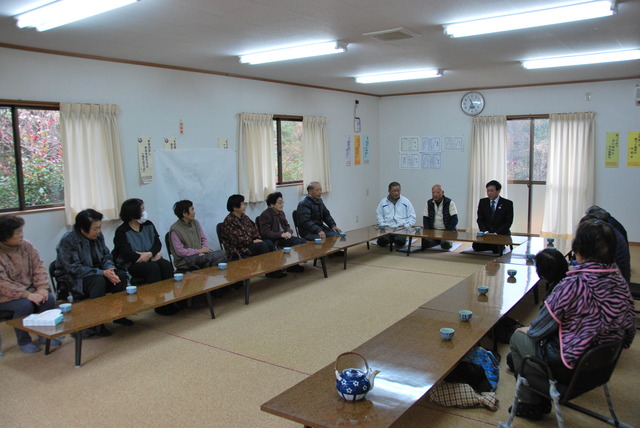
(591, 306)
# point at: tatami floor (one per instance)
(189, 370)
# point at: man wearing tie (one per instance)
(495, 215)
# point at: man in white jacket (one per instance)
(395, 211)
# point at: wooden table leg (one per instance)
(210, 303)
(246, 291)
(344, 259)
(79, 348)
(47, 347)
(323, 262)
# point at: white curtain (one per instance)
(315, 151)
(256, 163)
(93, 171)
(570, 172)
(488, 160)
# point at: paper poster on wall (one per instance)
(453, 144)
(347, 150)
(170, 143)
(430, 160)
(365, 149)
(612, 149)
(409, 144)
(145, 160)
(633, 148)
(356, 149)
(430, 144)
(409, 161)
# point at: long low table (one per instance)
(447, 235)
(410, 354)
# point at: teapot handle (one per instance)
(352, 353)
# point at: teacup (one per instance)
(222, 266)
(483, 289)
(131, 289)
(343, 234)
(418, 229)
(465, 315)
(381, 226)
(318, 240)
(480, 233)
(512, 272)
(550, 241)
(447, 333)
(178, 276)
(65, 307)
(286, 250)
(530, 256)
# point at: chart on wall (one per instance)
(205, 177)
(425, 152)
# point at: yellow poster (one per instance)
(356, 149)
(612, 150)
(633, 149)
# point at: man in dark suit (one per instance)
(495, 215)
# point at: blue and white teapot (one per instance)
(353, 384)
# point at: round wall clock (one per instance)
(472, 103)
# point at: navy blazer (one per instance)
(500, 222)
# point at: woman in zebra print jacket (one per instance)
(592, 305)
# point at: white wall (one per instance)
(617, 189)
(153, 101)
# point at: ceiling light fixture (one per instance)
(394, 77)
(594, 58)
(534, 18)
(315, 49)
(64, 12)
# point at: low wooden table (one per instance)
(355, 237)
(411, 358)
(447, 235)
(534, 245)
(92, 312)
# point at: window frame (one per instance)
(14, 105)
(278, 119)
(531, 118)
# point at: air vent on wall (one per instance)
(392, 34)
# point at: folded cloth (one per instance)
(450, 394)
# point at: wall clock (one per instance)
(472, 103)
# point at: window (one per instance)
(527, 154)
(288, 149)
(31, 163)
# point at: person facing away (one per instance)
(395, 210)
(622, 254)
(240, 235)
(592, 305)
(273, 225)
(495, 215)
(440, 213)
(314, 218)
(24, 283)
(189, 244)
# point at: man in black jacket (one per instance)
(495, 215)
(314, 218)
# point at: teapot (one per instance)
(353, 384)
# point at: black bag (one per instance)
(549, 349)
(504, 329)
(472, 374)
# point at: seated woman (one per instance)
(592, 305)
(189, 245)
(240, 236)
(136, 245)
(273, 225)
(84, 266)
(551, 266)
(24, 283)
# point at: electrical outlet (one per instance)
(223, 143)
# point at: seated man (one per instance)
(440, 213)
(84, 265)
(313, 216)
(273, 225)
(396, 211)
(240, 236)
(495, 215)
(189, 245)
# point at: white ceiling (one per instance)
(210, 34)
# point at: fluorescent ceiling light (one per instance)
(594, 58)
(535, 18)
(306, 51)
(394, 77)
(65, 11)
